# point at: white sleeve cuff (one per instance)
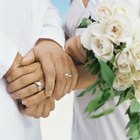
(8, 52)
(55, 34)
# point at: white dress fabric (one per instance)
(111, 127)
(22, 23)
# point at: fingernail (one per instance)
(8, 79)
(24, 102)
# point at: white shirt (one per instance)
(22, 23)
(110, 127)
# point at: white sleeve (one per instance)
(8, 52)
(52, 26)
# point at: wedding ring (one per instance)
(39, 86)
(68, 75)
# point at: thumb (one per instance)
(29, 58)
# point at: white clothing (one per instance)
(111, 127)
(22, 23)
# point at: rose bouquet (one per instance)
(112, 44)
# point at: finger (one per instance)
(68, 79)
(29, 111)
(14, 75)
(50, 74)
(74, 78)
(74, 48)
(40, 109)
(60, 80)
(25, 80)
(29, 58)
(80, 47)
(78, 53)
(47, 108)
(30, 101)
(52, 104)
(27, 91)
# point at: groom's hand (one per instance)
(59, 70)
(41, 109)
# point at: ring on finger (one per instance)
(68, 75)
(39, 86)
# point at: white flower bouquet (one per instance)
(112, 44)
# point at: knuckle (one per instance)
(24, 69)
(16, 95)
(23, 80)
(30, 90)
(50, 71)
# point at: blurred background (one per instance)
(58, 125)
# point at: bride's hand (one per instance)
(42, 109)
(75, 49)
(22, 84)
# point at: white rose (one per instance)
(136, 74)
(136, 30)
(102, 47)
(135, 55)
(137, 90)
(124, 8)
(104, 10)
(95, 29)
(118, 29)
(122, 81)
(122, 62)
(115, 7)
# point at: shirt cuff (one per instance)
(54, 34)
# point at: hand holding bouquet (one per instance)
(112, 44)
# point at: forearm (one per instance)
(85, 79)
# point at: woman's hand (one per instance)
(58, 68)
(42, 109)
(85, 78)
(22, 84)
(75, 49)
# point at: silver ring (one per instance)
(68, 75)
(39, 86)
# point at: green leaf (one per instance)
(90, 88)
(106, 73)
(84, 23)
(133, 132)
(95, 69)
(134, 106)
(125, 96)
(133, 121)
(94, 104)
(105, 112)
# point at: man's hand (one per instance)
(42, 109)
(56, 65)
(74, 48)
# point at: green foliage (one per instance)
(85, 23)
(134, 106)
(106, 73)
(103, 91)
(90, 88)
(105, 112)
(127, 94)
